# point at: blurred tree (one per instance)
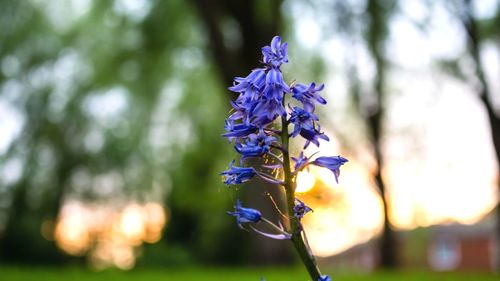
(477, 32)
(105, 91)
(237, 32)
(110, 90)
(379, 13)
(371, 25)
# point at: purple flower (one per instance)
(275, 83)
(248, 215)
(300, 209)
(256, 145)
(270, 104)
(324, 278)
(240, 110)
(237, 175)
(308, 95)
(236, 131)
(301, 118)
(266, 111)
(245, 215)
(313, 135)
(254, 82)
(305, 125)
(300, 162)
(250, 89)
(332, 163)
(275, 54)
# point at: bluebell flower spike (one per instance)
(260, 101)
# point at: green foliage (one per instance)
(109, 91)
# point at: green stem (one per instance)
(295, 229)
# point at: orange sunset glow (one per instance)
(350, 212)
(110, 235)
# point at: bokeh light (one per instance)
(109, 234)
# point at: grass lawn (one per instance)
(221, 274)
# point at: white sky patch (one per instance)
(134, 9)
(308, 32)
(485, 8)
(445, 35)
(408, 45)
(11, 171)
(414, 10)
(11, 123)
(107, 107)
(411, 47)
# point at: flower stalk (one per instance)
(290, 185)
(260, 103)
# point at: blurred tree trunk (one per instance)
(378, 12)
(254, 30)
(483, 90)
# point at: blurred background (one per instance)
(111, 114)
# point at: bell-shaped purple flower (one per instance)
(250, 89)
(245, 215)
(274, 81)
(248, 215)
(240, 111)
(253, 82)
(332, 163)
(307, 95)
(256, 145)
(305, 125)
(237, 175)
(300, 209)
(276, 54)
(236, 131)
(267, 111)
(270, 104)
(313, 134)
(301, 118)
